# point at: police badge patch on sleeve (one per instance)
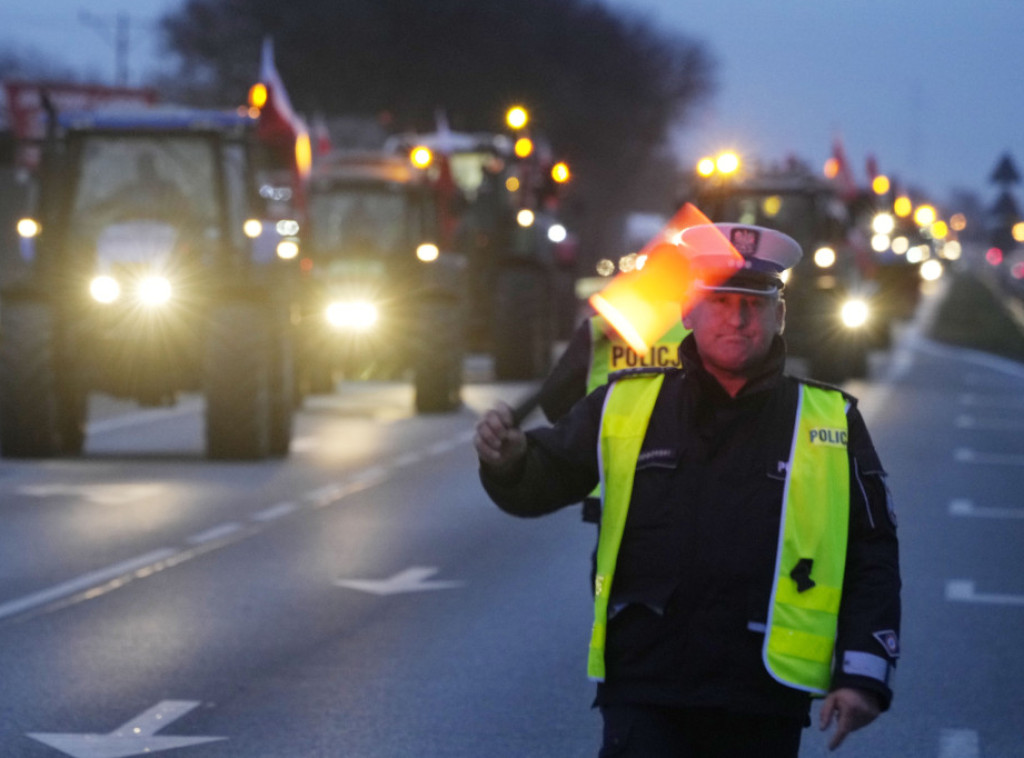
(889, 640)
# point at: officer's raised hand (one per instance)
(500, 443)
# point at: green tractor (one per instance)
(381, 298)
(149, 275)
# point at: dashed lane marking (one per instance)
(275, 511)
(967, 455)
(963, 591)
(219, 532)
(1003, 401)
(967, 421)
(85, 582)
(962, 507)
(96, 583)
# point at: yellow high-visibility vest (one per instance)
(813, 530)
(610, 353)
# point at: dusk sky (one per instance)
(932, 90)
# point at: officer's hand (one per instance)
(499, 443)
(850, 709)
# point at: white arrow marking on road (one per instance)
(962, 590)
(967, 508)
(413, 579)
(135, 737)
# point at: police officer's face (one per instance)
(734, 330)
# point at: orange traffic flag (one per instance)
(643, 304)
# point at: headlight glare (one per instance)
(28, 228)
(824, 257)
(427, 252)
(104, 289)
(854, 313)
(154, 290)
(287, 250)
(358, 316)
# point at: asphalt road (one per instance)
(362, 599)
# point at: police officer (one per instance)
(747, 557)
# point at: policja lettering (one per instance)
(659, 356)
(832, 437)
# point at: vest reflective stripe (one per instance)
(815, 523)
(624, 419)
(610, 353)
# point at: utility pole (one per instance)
(118, 38)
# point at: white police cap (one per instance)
(765, 252)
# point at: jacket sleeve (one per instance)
(867, 645)
(560, 467)
(567, 381)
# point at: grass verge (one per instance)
(972, 316)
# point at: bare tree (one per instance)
(604, 88)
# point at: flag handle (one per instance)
(526, 406)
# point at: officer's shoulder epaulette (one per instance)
(639, 371)
(825, 386)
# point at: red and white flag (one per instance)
(841, 173)
(279, 125)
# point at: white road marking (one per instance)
(102, 494)
(967, 455)
(407, 459)
(973, 357)
(214, 533)
(967, 421)
(413, 579)
(84, 582)
(275, 512)
(963, 591)
(1005, 402)
(959, 743)
(135, 737)
(441, 447)
(370, 476)
(967, 508)
(93, 582)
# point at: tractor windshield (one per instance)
(360, 222)
(140, 198)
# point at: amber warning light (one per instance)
(643, 304)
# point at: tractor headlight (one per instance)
(28, 228)
(359, 316)
(287, 249)
(154, 290)
(104, 289)
(854, 313)
(931, 270)
(427, 252)
(824, 257)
